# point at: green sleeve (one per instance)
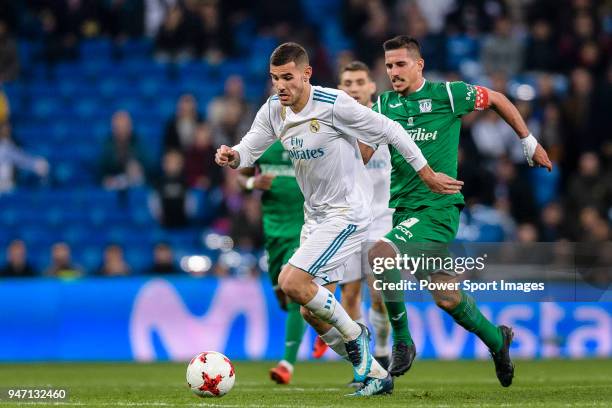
(462, 97)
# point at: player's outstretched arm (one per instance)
(374, 129)
(534, 152)
(252, 145)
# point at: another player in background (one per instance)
(430, 113)
(319, 127)
(282, 205)
(355, 80)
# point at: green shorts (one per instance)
(424, 232)
(278, 251)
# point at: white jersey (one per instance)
(379, 172)
(322, 143)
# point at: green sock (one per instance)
(396, 309)
(294, 330)
(467, 315)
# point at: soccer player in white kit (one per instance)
(356, 81)
(319, 127)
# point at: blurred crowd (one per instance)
(552, 58)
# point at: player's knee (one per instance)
(446, 301)
(286, 284)
(380, 250)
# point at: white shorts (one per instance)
(325, 248)
(357, 265)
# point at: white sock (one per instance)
(376, 370)
(287, 365)
(335, 341)
(381, 325)
(325, 306)
(361, 320)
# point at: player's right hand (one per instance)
(263, 181)
(226, 156)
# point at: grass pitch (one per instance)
(586, 383)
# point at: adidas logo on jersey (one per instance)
(422, 135)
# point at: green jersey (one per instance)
(283, 204)
(432, 118)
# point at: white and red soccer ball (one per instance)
(210, 374)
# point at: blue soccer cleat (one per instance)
(359, 355)
(374, 386)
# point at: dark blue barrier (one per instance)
(160, 319)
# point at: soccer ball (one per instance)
(210, 374)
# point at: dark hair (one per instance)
(289, 52)
(403, 41)
(354, 66)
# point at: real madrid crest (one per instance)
(425, 105)
(314, 126)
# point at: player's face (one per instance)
(404, 70)
(358, 85)
(289, 81)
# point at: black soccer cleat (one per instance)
(504, 368)
(402, 357)
(383, 361)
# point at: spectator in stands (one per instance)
(169, 204)
(57, 43)
(501, 51)
(12, 157)
(61, 263)
(367, 22)
(553, 226)
(180, 129)
(493, 137)
(588, 188)
(163, 260)
(541, 53)
(177, 37)
(246, 226)
(114, 264)
(527, 233)
(9, 59)
(123, 163)
(17, 265)
(230, 114)
(214, 37)
(125, 18)
(200, 169)
(512, 195)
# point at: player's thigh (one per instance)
(424, 234)
(324, 253)
(278, 251)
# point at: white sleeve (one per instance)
(354, 119)
(257, 139)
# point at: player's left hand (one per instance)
(540, 158)
(439, 182)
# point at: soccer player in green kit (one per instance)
(283, 216)
(430, 112)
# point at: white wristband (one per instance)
(529, 147)
(250, 183)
